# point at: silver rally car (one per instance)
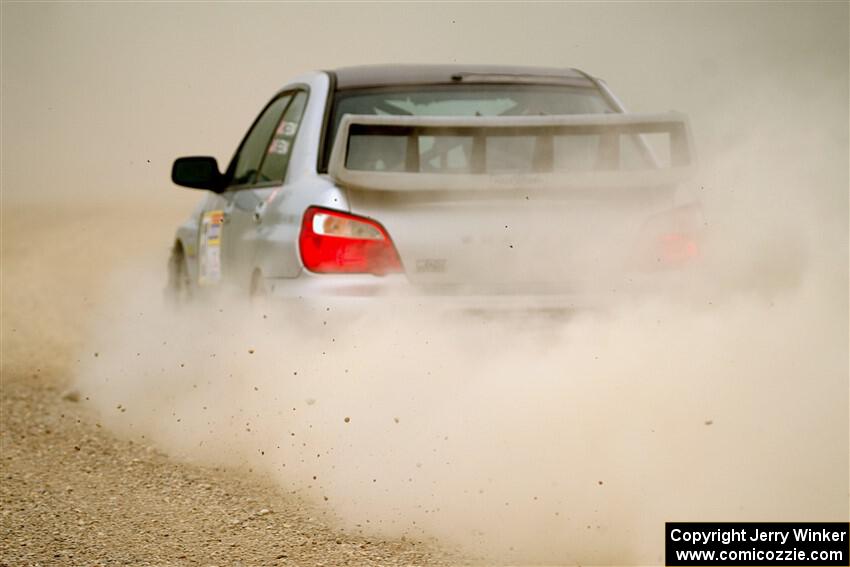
(473, 184)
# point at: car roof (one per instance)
(363, 76)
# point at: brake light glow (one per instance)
(672, 238)
(336, 242)
(677, 248)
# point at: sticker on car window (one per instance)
(287, 128)
(279, 147)
(209, 248)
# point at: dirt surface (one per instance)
(75, 494)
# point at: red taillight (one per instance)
(336, 242)
(672, 238)
(676, 248)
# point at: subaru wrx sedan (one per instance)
(479, 185)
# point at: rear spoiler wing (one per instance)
(542, 175)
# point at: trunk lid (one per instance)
(531, 204)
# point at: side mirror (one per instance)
(198, 172)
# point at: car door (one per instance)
(257, 173)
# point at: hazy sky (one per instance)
(92, 91)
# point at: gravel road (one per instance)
(72, 494)
(75, 494)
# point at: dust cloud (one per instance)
(525, 439)
(568, 442)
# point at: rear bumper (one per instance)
(356, 292)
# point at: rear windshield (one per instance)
(463, 100)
